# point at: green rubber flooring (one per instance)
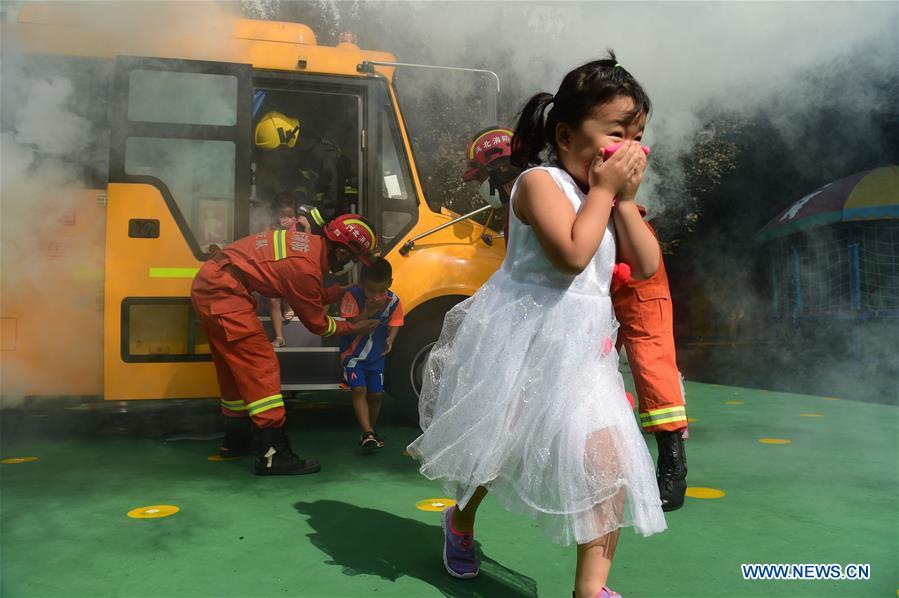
(829, 496)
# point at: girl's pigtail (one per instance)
(530, 133)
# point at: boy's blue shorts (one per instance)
(372, 380)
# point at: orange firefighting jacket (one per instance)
(291, 265)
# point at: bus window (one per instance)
(182, 98)
(398, 205)
(393, 177)
(183, 126)
(162, 327)
(200, 176)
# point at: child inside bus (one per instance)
(287, 220)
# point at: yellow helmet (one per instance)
(274, 130)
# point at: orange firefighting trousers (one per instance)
(646, 317)
(248, 372)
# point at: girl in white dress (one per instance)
(522, 395)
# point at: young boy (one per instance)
(362, 356)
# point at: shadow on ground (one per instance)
(371, 542)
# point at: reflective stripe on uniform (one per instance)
(280, 244)
(332, 328)
(317, 217)
(233, 405)
(257, 407)
(658, 417)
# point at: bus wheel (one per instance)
(405, 368)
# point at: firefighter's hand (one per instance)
(388, 348)
(303, 224)
(365, 326)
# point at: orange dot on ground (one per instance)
(153, 512)
(220, 458)
(405, 454)
(733, 402)
(811, 415)
(775, 441)
(434, 504)
(15, 460)
(705, 493)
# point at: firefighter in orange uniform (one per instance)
(644, 311)
(274, 264)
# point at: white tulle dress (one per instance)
(522, 395)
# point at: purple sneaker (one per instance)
(606, 592)
(459, 556)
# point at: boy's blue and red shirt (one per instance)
(365, 350)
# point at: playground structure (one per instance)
(833, 258)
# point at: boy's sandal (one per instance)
(368, 442)
(379, 438)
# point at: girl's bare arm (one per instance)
(569, 238)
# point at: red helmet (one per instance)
(486, 149)
(356, 234)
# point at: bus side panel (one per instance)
(143, 271)
(52, 286)
(454, 261)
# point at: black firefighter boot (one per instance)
(274, 457)
(238, 440)
(672, 472)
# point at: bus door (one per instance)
(322, 170)
(179, 183)
(393, 203)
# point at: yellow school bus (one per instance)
(101, 308)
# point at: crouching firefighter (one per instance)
(283, 264)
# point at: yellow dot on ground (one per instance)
(830, 398)
(691, 420)
(775, 441)
(705, 493)
(733, 402)
(434, 504)
(220, 458)
(14, 460)
(811, 415)
(153, 511)
(405, 454)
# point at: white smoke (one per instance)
(53, 163)
(686, 54)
